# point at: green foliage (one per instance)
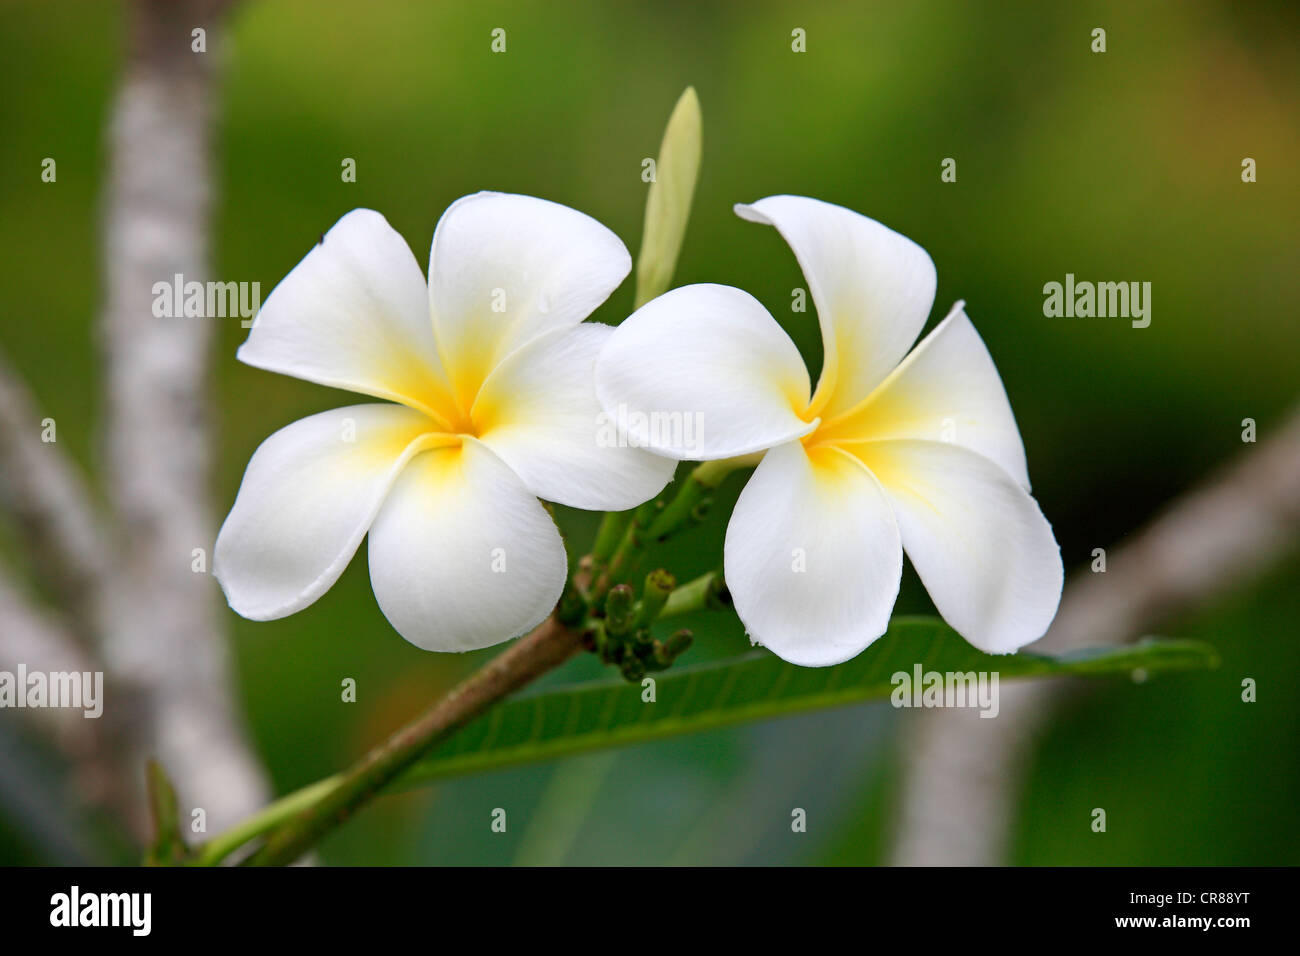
(756, 686)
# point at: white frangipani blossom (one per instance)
(892, 452)
(487, 373)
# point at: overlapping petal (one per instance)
(504, 269)
(946, 390)
(538, 411)
(978, 540)
(926, 457)
(873, 289)
(462, 555)
(354, 314)
(307, 499)
(703, 372)
(813, 556)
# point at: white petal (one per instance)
(354, 314)
(538, 412)
(307, 499)
(462, 555)
(977, 539)
(873, 289)
(703, 372)
(946, 390)
(504, 269)
(812, 556)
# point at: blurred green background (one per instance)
(1117, 166)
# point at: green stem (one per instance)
(707, 592)
(612, 528)
(655, 521)
(265, 820)
(655, 592)
(546, 647)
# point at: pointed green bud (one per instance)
(677, 644)
(658, 585)
(668, 205)
(619, 610)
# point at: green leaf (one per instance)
(668, 204)
(757, 686)
(168, 846)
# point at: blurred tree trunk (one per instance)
(133, 593)
(164, 641)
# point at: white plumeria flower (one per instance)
(890, 453)
(491, 371)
